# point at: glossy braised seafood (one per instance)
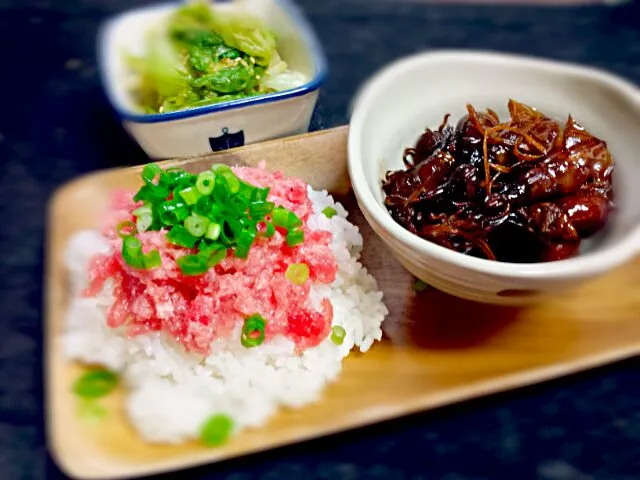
(524, 190)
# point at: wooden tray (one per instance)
(437, 350)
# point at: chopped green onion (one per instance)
(253, 331)
(285, 218)
(293, 221)
(216, 430)
(122, 226)
(213, 231)
(95, 384)
(239, 204)
(246, 191)
(220, 168)
(151, 193)
(232, 181)
(151, 260)
(192, 265)
(212, 254)
(143, 222)
(144, 218)
(329, 212)
(295, 237)
(180, 236)
(173, 212)
(196, 225)
(204, 207)
(132, 251)
(261, 209)
(149, 172)
(133, 256)
(214, 211)
(259, 194)
(230, 232)
(205, 183)
(221, 189)
(337, 334)
(420, 286)
(190, 195)
(280, 217)
(297, 273)
(177, 178)
(269, 231)
(245, 240)
(143, 210)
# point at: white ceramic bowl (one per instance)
(395, 106)
(230, 124)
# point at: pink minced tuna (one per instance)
(196, 310)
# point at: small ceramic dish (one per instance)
(225, 125)
(399, 102)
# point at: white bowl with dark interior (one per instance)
(204, 129)
(400, 101)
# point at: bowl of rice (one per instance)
(215, 299)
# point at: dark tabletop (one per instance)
(56, 125)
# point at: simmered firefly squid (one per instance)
(524, 190)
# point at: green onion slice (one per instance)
(180, 236)
(144, 222)
(216, 430)
(149, 172)
(151, 193)
(133, 256)
(295, 237)
(126, 228)
(143, 210)
(219, 168)
(212, 254)
(253, 331)
(205, 183)
(190, 195)
(280, 217)
(329, 212)
(132, 251)
(297, 273)
(95, 384)
(232, 181)
(213, 231)
(269, 230)
(337, 334)
(259, 194)
(151, 260)
(196, 225)
(173, 212)
(192, 265)
(245, 241)
(260, 209)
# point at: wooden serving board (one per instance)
(437, 349)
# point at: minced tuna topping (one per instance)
(198, 309)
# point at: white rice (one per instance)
(171, 393)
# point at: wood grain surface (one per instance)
(437, 349)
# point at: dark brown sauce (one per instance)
(524, 190)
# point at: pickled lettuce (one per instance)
(202, 56)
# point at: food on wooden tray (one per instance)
(203, 55)
(524, 190)
(216, 298)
